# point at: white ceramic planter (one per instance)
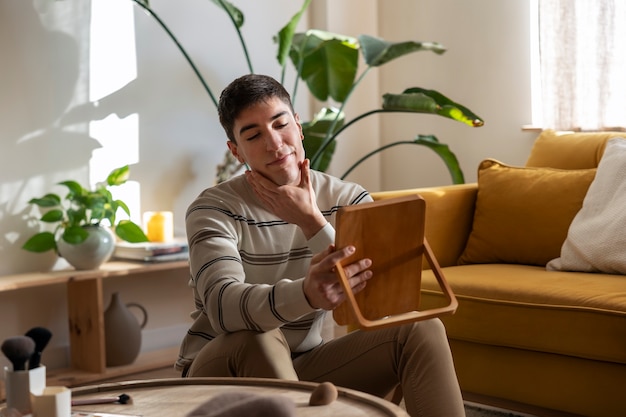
(93, 252)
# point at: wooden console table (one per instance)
(86, 320)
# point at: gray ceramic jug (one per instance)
(122, 332)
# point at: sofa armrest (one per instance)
(449, 217)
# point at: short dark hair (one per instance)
(244, 92)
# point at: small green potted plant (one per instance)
(84, 221)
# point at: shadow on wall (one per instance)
(44, 123)
(40, 74)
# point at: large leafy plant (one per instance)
(328, 64)
(83, 207)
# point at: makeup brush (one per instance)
(41, 336)
(18, 349)
(122, 399)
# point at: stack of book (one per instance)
(176, 250)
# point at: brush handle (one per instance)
(123, 399)
(91, 401)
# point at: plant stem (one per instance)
(329, 134)
(241, 40)
(328, 141)
(374, 152)
(180, 48)
(351, 122)
(457, 178)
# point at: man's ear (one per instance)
(232, 146)
(297, 117)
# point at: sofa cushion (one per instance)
(569, 150)
(522, 214)
(527, 307)
(449, 214)
(596, 241)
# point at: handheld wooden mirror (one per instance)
(391, 233)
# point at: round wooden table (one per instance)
(179, 396)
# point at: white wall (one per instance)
(485, 67)
(45, 109)
(44, 77)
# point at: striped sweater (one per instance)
(247, 266)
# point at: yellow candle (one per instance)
(159, 226)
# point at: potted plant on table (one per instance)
(84, 219)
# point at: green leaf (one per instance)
(315, 133)
(52, 216)
(97, 214)
(77, 216)
(450, 108)
(48, 200)
(75, 235)
(329, 63)
(122, 205)
(444, 152)
(75, 188)
(377, 52)
(118, 176)
(41, 242)
(235, 14)
(285, 36)
(130, 232)
(415, 102)
(420, 100)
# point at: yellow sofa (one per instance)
(525, 338)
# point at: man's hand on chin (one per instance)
(295, 204)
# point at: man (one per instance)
(262, 258)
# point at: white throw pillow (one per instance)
(596, 239)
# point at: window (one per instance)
(579, 64)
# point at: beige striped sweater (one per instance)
(247, 266)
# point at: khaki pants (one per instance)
(415, 355)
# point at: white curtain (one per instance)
(582, 53)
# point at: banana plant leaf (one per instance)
(329, 63)
(286, 34)
(315, 132)
(377, 51)
(419, 100)
(234, 13)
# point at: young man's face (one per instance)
(269, 140)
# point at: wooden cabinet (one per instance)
(86, 322)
